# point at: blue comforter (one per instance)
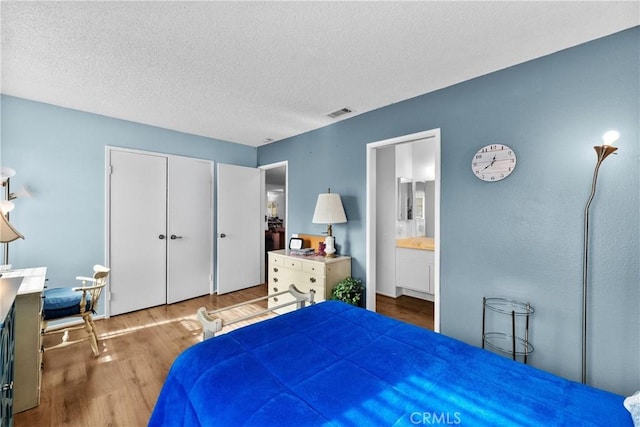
(332, 364)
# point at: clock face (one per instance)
(493, 162)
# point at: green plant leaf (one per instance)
(348, 290)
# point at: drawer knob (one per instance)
(275, 289)
(275, 299)
(275, 279)
(312, 279)
(275, 269)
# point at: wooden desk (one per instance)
(28, 363)
(8, 291)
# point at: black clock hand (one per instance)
(490, 164)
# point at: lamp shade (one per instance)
(610, 137)
(6, 206)
(5, 174)
(329, 209)
(7, 232)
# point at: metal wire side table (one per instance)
(505, 342)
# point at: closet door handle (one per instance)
(161, 237)
(174, 237)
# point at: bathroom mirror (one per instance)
(405, 199)
(420, 199)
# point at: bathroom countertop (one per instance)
(421, 243)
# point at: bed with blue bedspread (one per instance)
(332, 364)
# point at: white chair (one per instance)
(81, 301)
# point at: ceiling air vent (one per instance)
(339, 112)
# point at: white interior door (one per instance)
(190, 230)
(239, 226)
(137, 256)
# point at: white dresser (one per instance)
(28, 363)
(306, 273)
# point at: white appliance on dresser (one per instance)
(307, 273)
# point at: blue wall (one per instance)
(60, 155)
(521, 237)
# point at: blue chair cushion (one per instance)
(62, 302)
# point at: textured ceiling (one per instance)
(247, 72)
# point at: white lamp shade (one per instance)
(610, 137)
(6, 206)
(329, 209)
(6, 173)
(7, 232)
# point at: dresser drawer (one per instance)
(274, 288)
(303, 283)
(315, 280)
(281, 299)
(276, 261)
(282, 277)
(314, 268)
(300, 281)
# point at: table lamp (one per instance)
(329, 210)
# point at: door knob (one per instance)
(161, 236)
(174, 237)
(222, 235)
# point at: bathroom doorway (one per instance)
(397, 183)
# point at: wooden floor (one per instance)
(121, 385)
(408, 309)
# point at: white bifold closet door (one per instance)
(160, 229)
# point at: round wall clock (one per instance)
(493, 162)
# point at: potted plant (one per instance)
(349, 290)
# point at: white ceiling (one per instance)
(248, 71)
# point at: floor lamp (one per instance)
(7, 232)
(602, 152)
